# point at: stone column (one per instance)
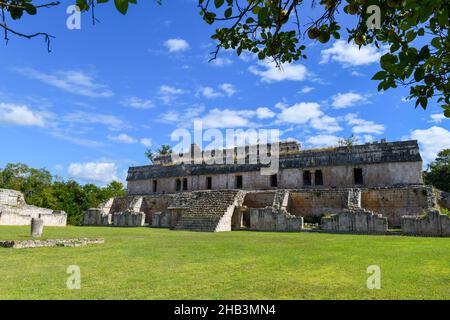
(37, 227)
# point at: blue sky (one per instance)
(89, 109)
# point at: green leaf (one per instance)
(30, 9)
(447, 113)
(380, 75)
(218, 3)
(121, 5)
(436, 42)
(228, 12)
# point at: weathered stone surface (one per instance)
(37, 227)
(382, 164)
(22, 244)
(272, 219)
(433, 223)
(354, 221)
(15, 212)
(443, 199)
(208, 210)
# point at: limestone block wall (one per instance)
(339, 176)
(269, 219)
(11, 198)
(355, 221)
(14, 211)
(128, 219)
(148, 205)
(394, 203)
(316, 202)
(161, 219)
(431, 224)
(96, 217)
(443, 199)
(259, 199)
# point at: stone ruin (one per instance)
(14, 211)
(360, 189)
(340, 210)
(354, 219)
(271, 219)
(432, 223)
(104, 216)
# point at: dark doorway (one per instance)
(155, 185)
(306, 178)
(209, 183)
(178, 185)
(318, 178)
(238, 182)
(358, 174)
(274, 180)
(185, 184)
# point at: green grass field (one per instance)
(144, 263)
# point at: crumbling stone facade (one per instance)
(433, 223)
(360, 189)
(14, 211)
(369, 165)
(354, 219)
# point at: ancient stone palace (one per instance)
(361, 188)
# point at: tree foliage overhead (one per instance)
(164, 150)
(438, 172)
(415, 33)
(41, 189)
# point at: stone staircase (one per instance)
(209, 211)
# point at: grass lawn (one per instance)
(144, 263)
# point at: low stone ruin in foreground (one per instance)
(413, 208)
(14, 211)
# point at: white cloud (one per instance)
(221, 62)
(110, 121)
(348, 99)
(264, 113)
(146, 142)
(224, 89)
(122, 138)
(326, 123)
(170, 116)
(270, 72)
(226, 118)
(72, 81)
(184, 119)
(300, 113)
(306, 89)
(210, 93)
(228, 88)
(169, 93)
(20, 115)
(94, 171)
(432, 141)
(349, 54)
(363, 126)
(438, 117)
(165, 89)
(323, 140)
(176, 45)
(137, 103)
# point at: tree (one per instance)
(416, 33)
(347, 142)
(150, 155)
(164, 150)
(438, 172)
(42, 189)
